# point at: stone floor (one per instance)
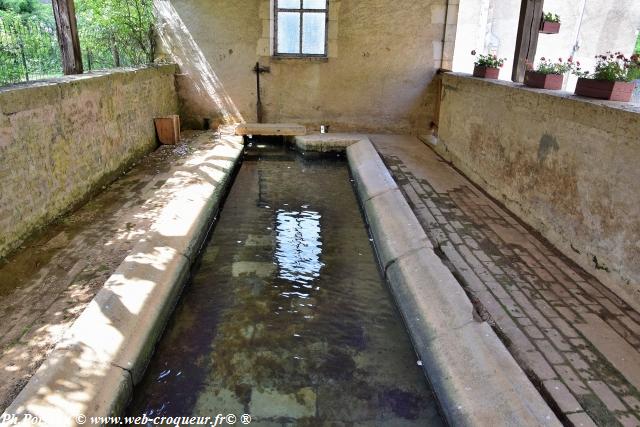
(577, 341)
(47, 284)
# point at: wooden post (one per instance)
(64, 13)
(527, 39)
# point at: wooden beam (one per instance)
(527, 38)
(64, 13)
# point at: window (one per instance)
(301, 27)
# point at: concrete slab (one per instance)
(124, 321)
(429, 293)
(71, 383)
(270, 129)
(327, 142)
(394, 227)
(478, 383)
(368, 170)
(202, 181)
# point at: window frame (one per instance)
(301, 11)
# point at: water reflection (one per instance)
(298, 248)
(287, 318)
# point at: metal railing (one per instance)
(114, 33)
(28, 50)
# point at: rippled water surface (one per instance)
(287, 318)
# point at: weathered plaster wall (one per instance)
(61, 140)
(566, 166)
(382, 58)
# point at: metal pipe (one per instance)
(259, 70)
(576, 45)
(444, 32)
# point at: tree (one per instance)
(116, 32)
(113, 33)
(26, 8)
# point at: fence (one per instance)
(113, 33)
(28, 50)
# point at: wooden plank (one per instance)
(527, 38)
(168, 129)
(65, 16)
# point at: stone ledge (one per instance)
(270, 129)
(474, 377)
(105, 352)
(395, 228)
(623, 106)
(369, 172)
(326, 142)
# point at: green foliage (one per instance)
(616, 67)
(547, 66)
(551, 17)
(28, 47)
(633, 69)
(116, 33)
(637, 49)
(25, 8)
(489, 61)
(113, 33)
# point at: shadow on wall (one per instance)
(198, 75)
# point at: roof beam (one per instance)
(527, 38)
(64, 13)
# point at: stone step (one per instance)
(271, 129)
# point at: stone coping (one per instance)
(474, 377)
(89, 75)
(103, 355)
(622, 106)
(270, 129)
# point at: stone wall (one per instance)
(567, 166)
(60, 140)
(382, 58)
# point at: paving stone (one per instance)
(576, 361)
(628, 420)
(535, 361)
(550, 353)
(581, 419)
(557, 339)
(528, 288)
(606, 395)
(572, 381)
(617, 351)
(564, 328)
(562, 396)
(533, 332)
(632, 402)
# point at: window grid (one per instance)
(301, 11)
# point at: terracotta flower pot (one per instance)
(604, 89)
(486, 72)
(543, 81)
(547, 27)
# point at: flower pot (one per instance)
(604, 89)
(547, 27)
(543, 81)
(486, 72)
